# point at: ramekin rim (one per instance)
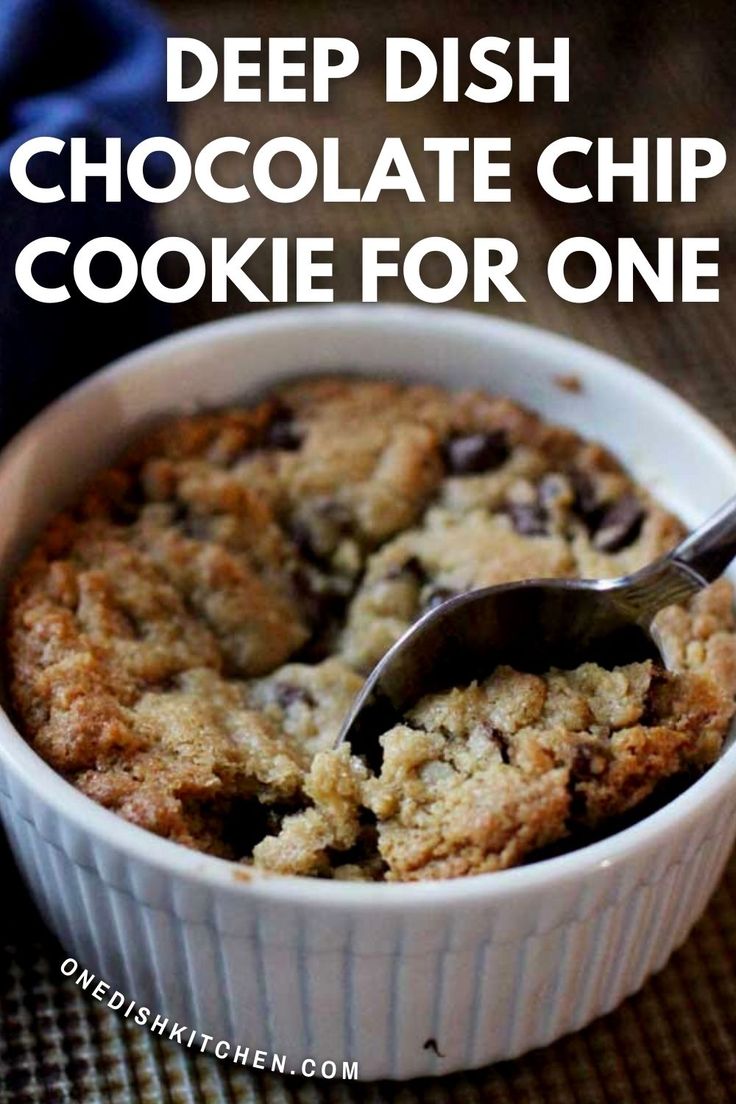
(139, 844)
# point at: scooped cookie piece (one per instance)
(478, 779)
(316, 840)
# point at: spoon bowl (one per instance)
(535, 625)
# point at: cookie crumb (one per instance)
(570, 383)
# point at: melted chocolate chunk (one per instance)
(125, 508)
(474, 453)
(317, 536)
(620, 525)
(179, 512)
(302, 538)
(282, 432)
(586, 503)
(322, 599)
(412, 567)
(529, 519)
(654, 705)
(499, 740)
(124, 513)
(287, 694)
(336, 517)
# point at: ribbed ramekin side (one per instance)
(404, 995)
(510, 997)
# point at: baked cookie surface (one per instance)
(184, 641)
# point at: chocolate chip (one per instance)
(578, 803)
(167, 683)
(318, 534)
(308, 591)
(529, 519)
(284, 436)
(586, 503)
(474, 453)
(123, 513)
(125, 508)
(655, 699)
(620, 525)
(130, 629)
(337, 512)
(320, 597)
(335, 518)
(288, 694)
(499, 740)
(302, 538)
(439, 596)
(282, 432)
(412, 568)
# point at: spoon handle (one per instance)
(709, 550)
(695, 562)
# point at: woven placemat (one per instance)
(637, 68)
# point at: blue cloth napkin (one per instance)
(72, 68)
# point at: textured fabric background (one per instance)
(637, 69)
(108, 80)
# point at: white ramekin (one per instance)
(488, 967)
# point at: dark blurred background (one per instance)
(637, 69)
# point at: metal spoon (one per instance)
(535, 625)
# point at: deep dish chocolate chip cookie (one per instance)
(184, 641)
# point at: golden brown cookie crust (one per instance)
(184, 641)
